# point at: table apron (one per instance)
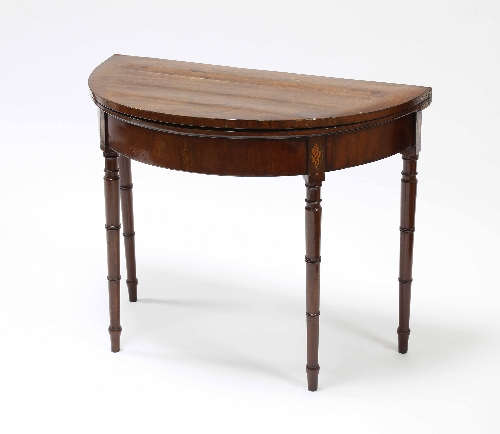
(255, 156)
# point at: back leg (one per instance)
(128, 225)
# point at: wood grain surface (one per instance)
(241, 122)
(195, 94)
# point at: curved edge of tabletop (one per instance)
(101, 84)
(191, 130)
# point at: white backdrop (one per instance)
(216, 341)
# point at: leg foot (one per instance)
(403, 341)
(114, 334)
(312, 378)
(132, 290)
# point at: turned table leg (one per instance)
(128, 225)
(113, 239)
(313, 259)
(407, 229)
(313, 181)
(112, 199)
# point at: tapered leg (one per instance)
(313, 259)
(128, 225)
(407, 229)
(112, 200)
(314, 178)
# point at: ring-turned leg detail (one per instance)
(315, 176)
(112, 205)
(407, 229)
(127, 204)
(313, 259)
(112, 200)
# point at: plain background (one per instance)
(216, 342)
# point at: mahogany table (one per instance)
(242, 122)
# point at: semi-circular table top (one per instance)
(199, 95)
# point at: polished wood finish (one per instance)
(407, 230)
(258, 156)
(313, 259)
(112, 225)
(185, 93)
(366, 145)
(126, 200)
(209, 155)
(313, 180)
(239, 122)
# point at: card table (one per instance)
(228, 121)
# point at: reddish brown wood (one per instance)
(407, 229)
(241, 133)
(209, 155)
(187, 93)
(313, 259)
(253, 156)
(314, 178)
(127, 203)
(365, 145)
(230, 121)
(112, 225)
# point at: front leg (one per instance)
(407, 230)
(313, 181)
(112, 203)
